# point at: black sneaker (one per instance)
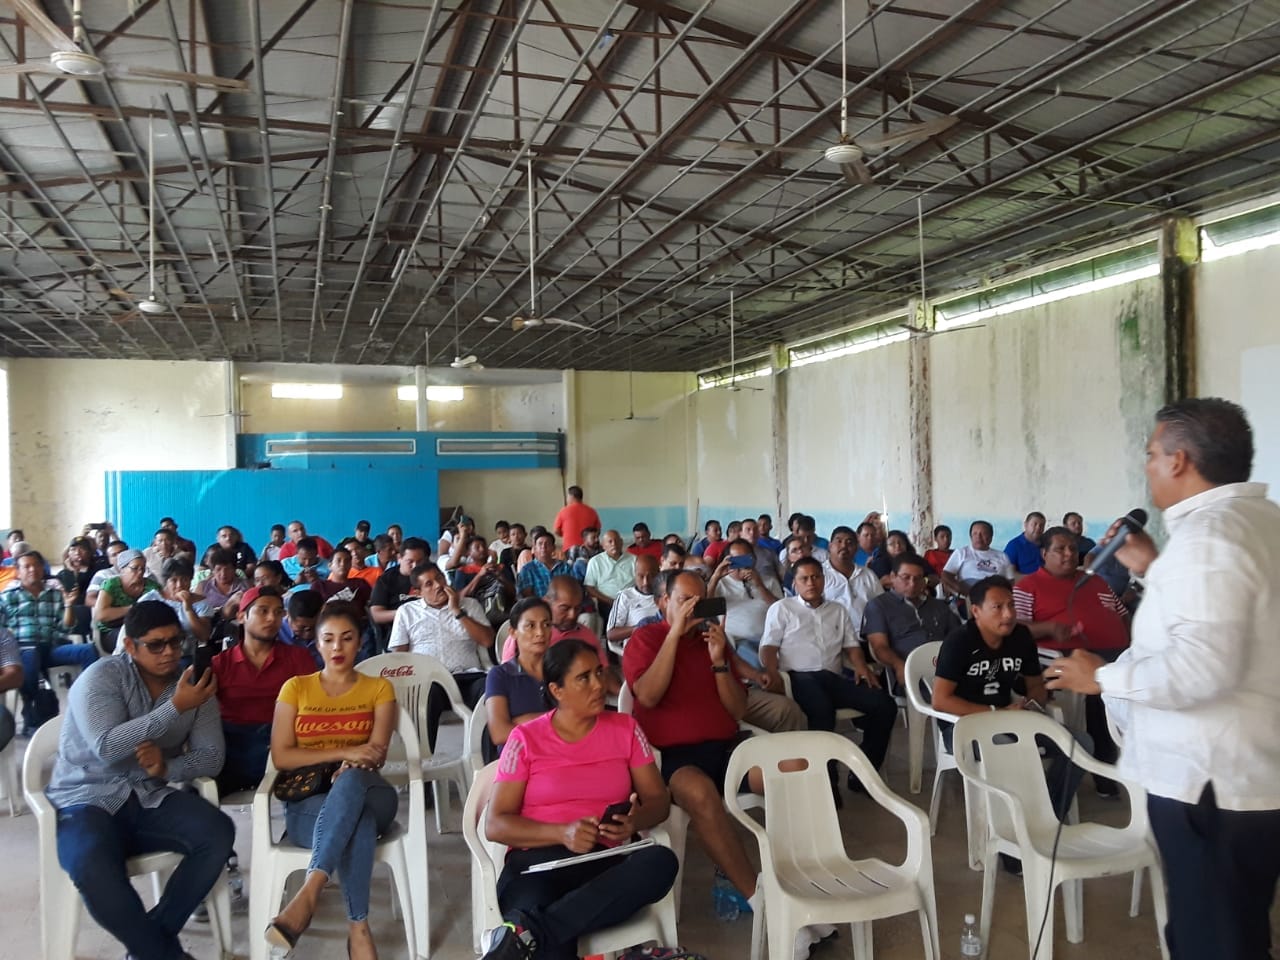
(511, 943)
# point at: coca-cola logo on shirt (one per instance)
(402, 671)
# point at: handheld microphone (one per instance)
(1131, 522)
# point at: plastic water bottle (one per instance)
(722, 895)
(970, 941)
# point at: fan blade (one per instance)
(131, 315)
(488, 319)
(178, 76)
(29, 66)
(39, 23)
(519, 323)
(915, 131)
(570, 323)
(856, 174)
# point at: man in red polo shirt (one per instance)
(643, 544)
(1063, 617)
(250, 676)
(688, 702)
(574, 517)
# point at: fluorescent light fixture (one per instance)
(436, 393)
(1026, 303)
(1211, 251)
(306, 391)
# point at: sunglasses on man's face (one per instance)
(160, 646)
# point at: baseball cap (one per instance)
(251, 595)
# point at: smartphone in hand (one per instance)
(615, 811)
(202, 661)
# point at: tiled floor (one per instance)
(1109, 932)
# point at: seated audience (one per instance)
(194, 614)
(339, 585)
(580, 555)
(119, 593)
(486, 582)
(642, 541)
(805, 532)
(184, 545)
(342, 825)
(135, 724)
(78, 567)
(396, 533)
(558, 774)
(974, 562)
(1075, 523)
(764, 524)
(689, 702)
(514, 689)
(896, 544)
(747, 599)
(163, 547)
(363, 527)
(906, 617)
(937, 557)
(440, 624)
(564, 597)
(395, 587)
(715, 551)
(1064, 616)
(224, 585)
(535, 577)
(812, 638)
(1023, 550)
(673, 557)
(454, 541)
(299, 628)
(270, 573)
(501, 539)
(711, 533)
(510, 555)
(250, 675)
(376, 563)
(34, 611)
(870, 540)
(275, 543)
(991, 663)
(846, 583)
(105, 572)
(767, 561)
(10, 679)
(635, 604)
(306, 566)
(229, 538)
(297, 533)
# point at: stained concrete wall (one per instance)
(73, 420)
(1047, 408)
(734, 471)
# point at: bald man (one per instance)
(634, 605)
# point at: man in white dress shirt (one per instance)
(450, 628)
(1197, 695)
(812, 638)
(846, 583)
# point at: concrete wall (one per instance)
(734, 471)
(72, 420)
(1049, 409)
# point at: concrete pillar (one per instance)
(569, 386)
(233, 416)
(421, 422)
(919, 401)
(780, 360)
(1179, 252)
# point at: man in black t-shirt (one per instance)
(394, 587)
(991, 663)
(510, 557)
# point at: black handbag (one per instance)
(293, 785)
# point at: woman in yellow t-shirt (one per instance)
(336, 716)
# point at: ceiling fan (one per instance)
(69, 58)
(849, 153)
(153, 304)
(469, 362)
(533, 320)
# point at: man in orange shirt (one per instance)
(574, 517)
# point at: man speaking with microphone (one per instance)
(1197, 695)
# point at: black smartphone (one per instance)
(615, 811)
(709, 608)
(742, 561)
(202, 661)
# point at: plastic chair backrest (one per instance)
(626, 700)
(998, 750)
(500, 640)
(473, 813)
(412, 674)
(922, 666)
(476, 727)
(42, 751)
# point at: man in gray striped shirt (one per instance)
(134, 725)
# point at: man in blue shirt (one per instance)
(1023, 550)
(134, 725)
(535, 576)
(764, 523)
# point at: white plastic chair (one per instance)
(655, 922)
(9, 760)
(477, 723)
(500, 639)
(412, 674)
(404, 851)
(1021, 823)
(922, 665)
(805, 876)
(1069, 703)
(59, 900)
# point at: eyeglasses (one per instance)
(160, 646)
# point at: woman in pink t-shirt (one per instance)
(556, 776)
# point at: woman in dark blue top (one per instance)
(514, 691)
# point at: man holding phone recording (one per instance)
(135, 723)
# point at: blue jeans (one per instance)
(341, 827)
(36, 660)
(247, 746)
(94, 844)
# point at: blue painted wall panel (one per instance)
(329, 502)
